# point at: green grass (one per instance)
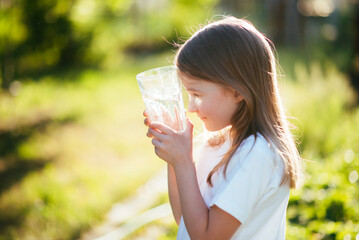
(322, 102)
(84, 133)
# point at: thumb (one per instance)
(189, 126)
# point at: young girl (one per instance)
(239, 186)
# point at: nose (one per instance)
(192, 106)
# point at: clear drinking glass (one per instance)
(161, 91)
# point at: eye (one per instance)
(194, 95)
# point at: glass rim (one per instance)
(141, 76)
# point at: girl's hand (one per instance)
(161, 114)
(147, 120)
(175, 147)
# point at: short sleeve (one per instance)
(245, 182)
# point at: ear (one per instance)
(238, 96)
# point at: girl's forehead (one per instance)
(195, 84)
(188, 80)
(198, 85)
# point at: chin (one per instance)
(214, 128)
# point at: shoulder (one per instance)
(256, 142)
(257, 152)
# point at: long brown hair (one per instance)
(233, 53)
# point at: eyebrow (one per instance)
(192, 89)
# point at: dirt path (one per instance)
(127, 216)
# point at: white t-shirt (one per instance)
(251, 190)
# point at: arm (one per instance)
(172, 184)
(173, 194)
(201, 222)
(176, 149)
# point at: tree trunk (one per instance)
(354, 72)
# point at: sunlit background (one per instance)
(73, 144)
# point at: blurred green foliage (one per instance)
(38, 36)
(43, 35)
(83, 148)
(322, 102)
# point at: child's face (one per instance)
(213, 104)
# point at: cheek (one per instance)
(208, 107)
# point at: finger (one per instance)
(155, 113)
(189, 127)
(147, 121)
(145, 113)
(178, 123)
(148, 134)
(156, 143)
(162, 127)
(167, 118)
(157, 151)
(153, 133)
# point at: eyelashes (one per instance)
(194, 95)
